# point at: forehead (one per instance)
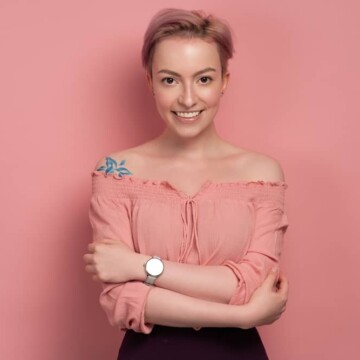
(185, 55)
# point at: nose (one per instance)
(188, 96)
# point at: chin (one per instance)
(189, 131)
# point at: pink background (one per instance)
(73, 90)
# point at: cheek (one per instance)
(211, 97)
(163, 99)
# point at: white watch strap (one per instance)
(150, 280)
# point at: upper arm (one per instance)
(270, 223)
(109, 216)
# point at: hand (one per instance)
(109, 261)
(268, 301)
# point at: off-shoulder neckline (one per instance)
(206, 184)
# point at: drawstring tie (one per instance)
(189, 215)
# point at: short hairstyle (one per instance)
(187, 23)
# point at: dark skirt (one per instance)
(176, 343)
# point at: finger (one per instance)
(91, 248)
(88, 259)
(271, 278)
(284, 286)
(108, 241)
(280, 278)
(96, 278)
(283, 278)
(90, 269)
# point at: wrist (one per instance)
(244, 316)
(139, 270)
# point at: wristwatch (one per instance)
(154, 267)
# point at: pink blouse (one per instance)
(236, 224)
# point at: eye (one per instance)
(168, 80)
(205, 79)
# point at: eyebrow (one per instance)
(166, 71)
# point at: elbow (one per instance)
(250, 276)
(124, 306)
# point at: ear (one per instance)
(149, 81)
(225, 81)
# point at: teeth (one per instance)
(188, 114)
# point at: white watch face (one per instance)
(154, 267)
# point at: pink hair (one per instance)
(186, 23)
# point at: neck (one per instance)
(202, 146)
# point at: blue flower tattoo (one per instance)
(112, 166)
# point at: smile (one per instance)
(187, 115)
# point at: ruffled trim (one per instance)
(133, 179)
(253, 182)
(166, 183)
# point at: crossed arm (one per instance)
(185, 296)
(207, 282)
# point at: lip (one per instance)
(187, 120)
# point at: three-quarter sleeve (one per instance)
(123, 303)
(265, 246)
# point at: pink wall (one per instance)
(72, 90)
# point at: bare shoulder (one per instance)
(123, 158)
(258, 166)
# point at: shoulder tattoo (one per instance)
(112, 167)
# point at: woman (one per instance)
(187, 226)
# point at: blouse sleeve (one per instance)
(265, 248)
(123, 303)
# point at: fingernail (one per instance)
(275, 269)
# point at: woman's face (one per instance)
(187, 82)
